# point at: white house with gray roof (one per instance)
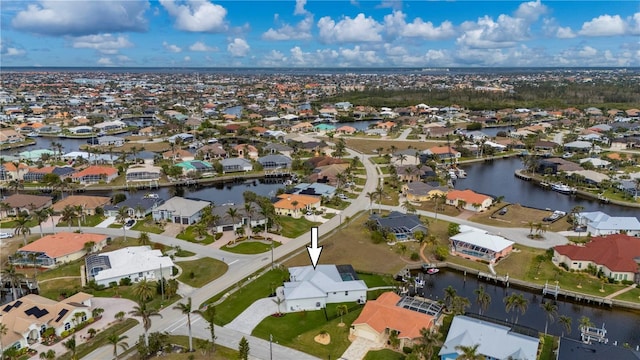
(235, 165)
(495, 341)
(133, 262)
(598, 223)
(310, 289)
(180, 210)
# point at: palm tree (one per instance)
(551, 311)
(233, 215)
(144, 289)
(585, 322)
(483, 299)
(209, 315)
(342, 310)
(117, 341)
(516, 301)
(68, 215)
(48, 355)
(145, 313)
(371, 196)
(469, 352)
(144, 239)
(428, 341)
(22, 227)
(459, 305)
(14, 278)
(123, 214)
(41, 216)
(79, 214)
(3, 331)
(185, 308)
(449, 294)
(249, 211)
(566, 323)
(379, 194)
(71, 346)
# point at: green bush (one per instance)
(441, 253)
(125, 282)
(415, 256)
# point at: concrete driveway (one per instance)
(253, 315)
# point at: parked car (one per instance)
(6, 235)
(130, 223)
(343, 196)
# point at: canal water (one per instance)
(622, 326)
(496, 178)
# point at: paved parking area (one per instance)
(359, 349)
(253, 315)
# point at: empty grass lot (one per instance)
(204, 271)
(297, 331)
(221, 353)
(100, 339)
(519, 216)
(250, 247)
(292, 228)
(384, 354)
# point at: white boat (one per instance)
(452, 175)
(151, 196)
(433, 271)
(33, 134)
(562, 188)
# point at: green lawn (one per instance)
(70, 269)
(250, 247)
(297, 330)
(147, 225)
(89, 221)
(239, 300)
(374, 280)
(100, 339)
(184, 253)
(10, 224)
(384, 354)
(221, 353)
(204, 271)
(190, 236)
(631, 295)
(549, 343)
(292, 228)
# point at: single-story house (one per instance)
(37, 174)
(143, 173)
(402, 226)
(89, 204)
(617, 256)
(95, 174)
(419, 191)
(312, 289)
(496, 341)
(225, 223)
(15, 172)
(110, 141)
(59, 248)
(178, 154)
(184, 138)
(315, 189)
(18, 203)
(295, 205)
(197, 166)
(469, 200)
(583, 146)
(246, 151)
(180, 210)
(271, 162)
(110, 126)
(390, 312)
(133, 262)
(79, 130)
(235, 165)
(479, 245)
(598, 223)
(442, 153)
(138, 206)
(27, 318)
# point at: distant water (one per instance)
(314, 71)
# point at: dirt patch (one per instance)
(324, 339)
(519, 216)
(368, 146)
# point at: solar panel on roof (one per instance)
(15, 305)
(61, 314)
(37, 312)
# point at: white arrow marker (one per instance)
(314, 250)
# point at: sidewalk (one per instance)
(622, 291)
(108, 221)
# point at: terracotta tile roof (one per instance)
(63, 243)
(25, 200)
(42, 170)
(383, 314)
(9, 166)
(88, 202)
(286, 201)
(95, 170)
(616, 252)
(469, 196)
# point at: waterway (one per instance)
(622, 326)
(496, 179)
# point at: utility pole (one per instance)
(272, 254)
(270, 347)
(161, 285)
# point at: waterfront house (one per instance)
(9, 136)
(80, 130)
(554, 165)
(225, 223)
(27, 318)
(409, 173)
(110, 141)
(315, 189)
(246, 151)
(598, 223)
(137, 206)
(301, 127)
(311, 289)
(35, 155)
(95, 174)
(134, 263)
(143, 173)
(199, 167)
(180, 210)
(346, 130)
(476, 244)
(212, 151)
(178, 155)
(469, 200)
(617, 256)
(419, 191)
(295, 205)
(407, 316)
(235, 165)
(36, 174)
(582, 146)
(59, 248)
(494, 340)
(443, 153)
(276, 148)
(327, 174)
(15, 171)
(273, 162)
(110, 126)
(87, 203)
(18, 203)
(402, 226)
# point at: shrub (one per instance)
(441, 253)
(125, 282)
(192, 275)
(377, 237)
(64, 334)
(415, 256)
(113, 284)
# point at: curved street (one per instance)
(243, 266)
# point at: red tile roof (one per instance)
(616, 252)
(95, 170)
(383, 314)
(469, 196)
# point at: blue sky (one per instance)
(307, 33)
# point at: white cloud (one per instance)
(238, 47)
(187, 58)
(588, 52)
(604, 25)
(565, 33)
(274, 58)
(358, 29)
(302, 31)
(171, 47)
(395, 24)
(200, 46)
(300, 10)
(531, 10)
(358, 57)
(105, 61)
(8, 48)
(104, 43)
(123, 58)
(197, 16)
(76, 18)
(506, 31)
